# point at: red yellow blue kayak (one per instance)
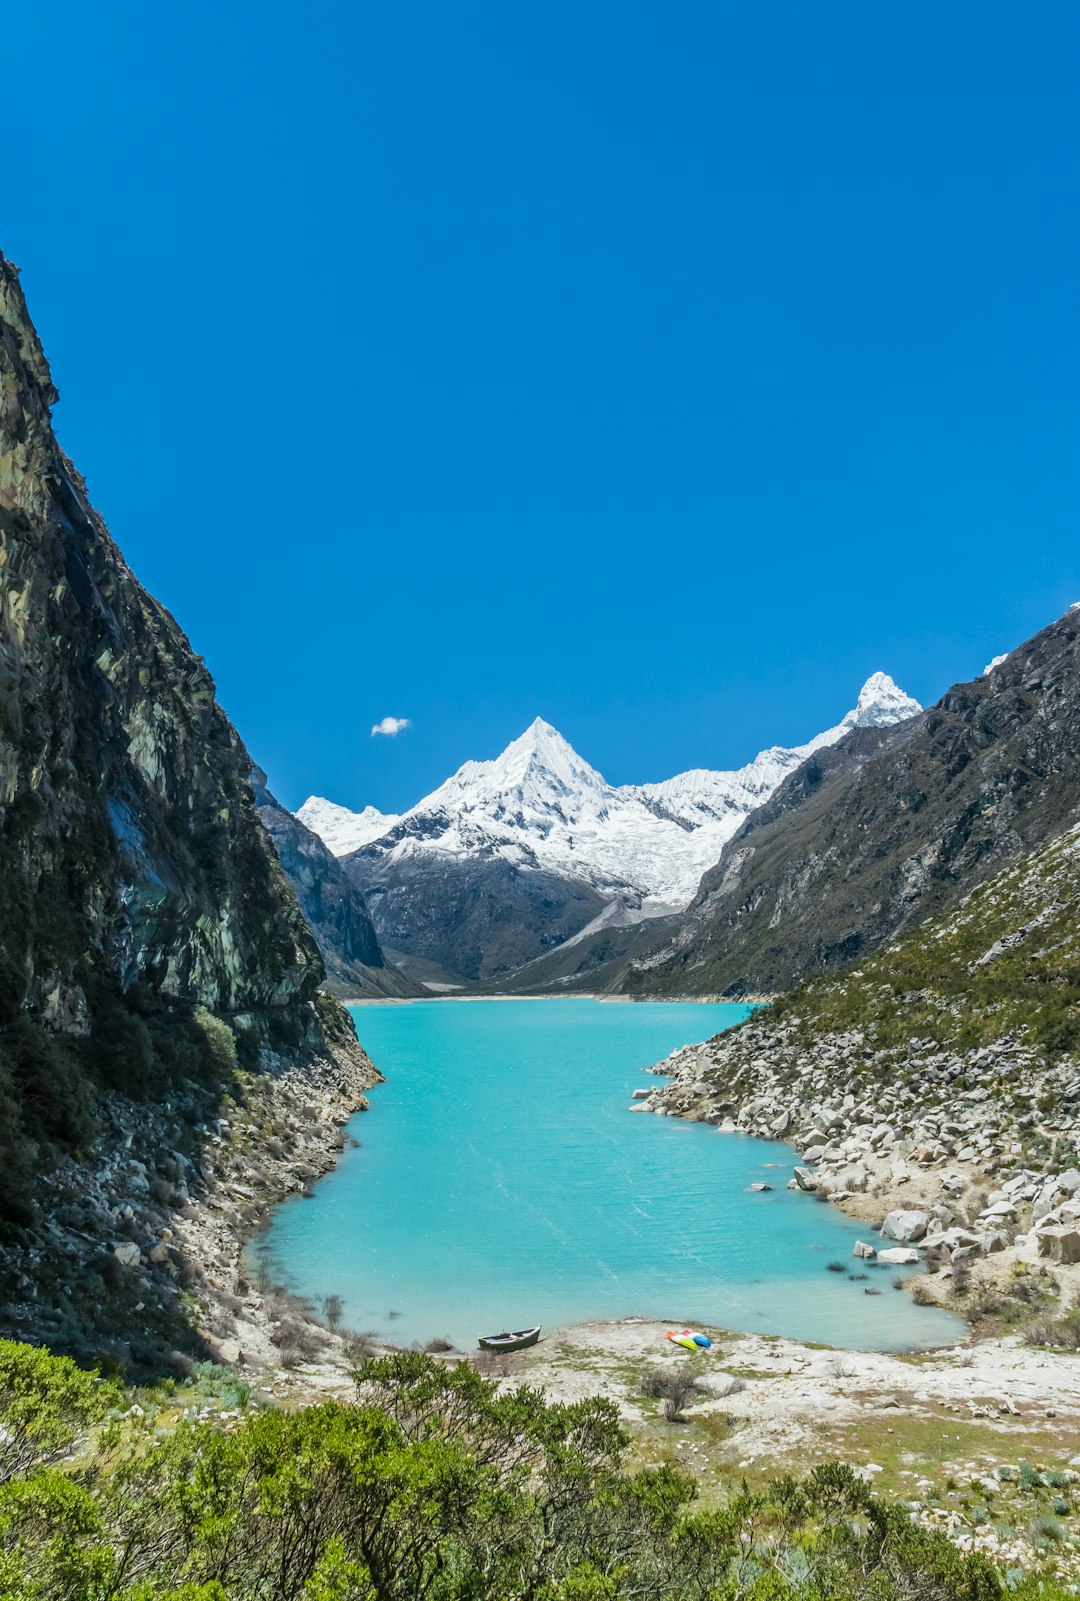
(690, 1339)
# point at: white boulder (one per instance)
(903, 1226)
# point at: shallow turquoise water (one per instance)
(502, 1182)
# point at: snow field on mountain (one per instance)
(539, 805)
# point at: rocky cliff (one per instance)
(333, 907)
(869, 838)
(150, 947)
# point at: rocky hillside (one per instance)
(333, 907)
(150, 946)
(892, 825)
(934, 1088)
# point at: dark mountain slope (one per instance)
(152, 954)
(333, 907)
(871, 837)
(477, 917)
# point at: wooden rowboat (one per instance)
(511, 1340)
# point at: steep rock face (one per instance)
(139, 895)
(129, 833)
(332, 905)
(872, 836)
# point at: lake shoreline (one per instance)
(582, 995)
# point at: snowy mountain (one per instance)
(540, 809)
(340, 830)
(702, 797)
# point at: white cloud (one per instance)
(391, 726)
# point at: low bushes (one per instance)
(436, 1486)
(675, 1386)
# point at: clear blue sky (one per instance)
(663, 370)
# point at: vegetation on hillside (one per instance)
(1004, 964)
(433, 1486)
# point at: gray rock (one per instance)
(805, 1179)
(898, 1256)
(1041, 1206)
(863, 1250)
(1059, 1244)
(905, 1225)
(128, 1253)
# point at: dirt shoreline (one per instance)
(578, 995)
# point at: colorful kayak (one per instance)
(689, 1339)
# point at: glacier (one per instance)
(540, 806)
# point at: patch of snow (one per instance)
(996, 662)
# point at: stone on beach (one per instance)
(903, 1226)
(861, 1249)
(898, 1256)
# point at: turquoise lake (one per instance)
(501, 1181)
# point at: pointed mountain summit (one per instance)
(590, 851)
(892, 826)
(881, 702)
(539, 771)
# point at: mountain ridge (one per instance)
(559, 843)
(891, 825)
(333, 907)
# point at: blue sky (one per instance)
(660, 370)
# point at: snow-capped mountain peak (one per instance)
(882, 701)
(340, 830)
(538, 764)
(539, 805)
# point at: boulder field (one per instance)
(957, 1156)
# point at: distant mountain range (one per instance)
(510, 859)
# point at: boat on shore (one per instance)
(510, 1339)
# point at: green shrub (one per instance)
(218, 1044)
(437, 1485)
(57, 1102)
(45, 1402)
(121, 1052)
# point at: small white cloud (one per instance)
(391, 726)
